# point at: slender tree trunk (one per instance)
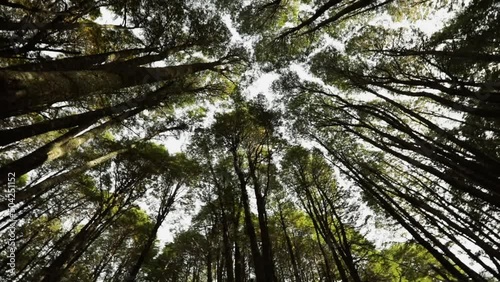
(464, 55)
(239, 260)
(343, 244)
(8, 136)
(38, 157)
(227, 248)
(44, 186)
(76, 247)
(105, 261)
(108, 212)
(239, 268)
(328, 272)
(220, 267)
(70, 141)
(249, 228)
(318, 224)
(293, 260)
(322, 229)
(409, 223)
(209, 267)
(267, 253)
(146, 59)
(167, 200)
(134, 271)
(60, 146)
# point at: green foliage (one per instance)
(404, 262)
(373, 123)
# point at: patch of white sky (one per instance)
(108, 17)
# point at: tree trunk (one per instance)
(227, 248)
(43, 154)
(78, 62)
(249, 228)
(267, 253)
(239, 267)
(15, 26)
(293, 260)
(60, 147)
(26, 91)
(220, 267)
(134, 271)
(9, 136)
(44, 186)
(77, 246)
(167, 200)
(409, 223)
(209, 267)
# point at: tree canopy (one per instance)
(372, 155)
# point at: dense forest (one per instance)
(320, 140)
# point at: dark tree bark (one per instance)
(291, 252)
(249, 228)
(29, 91)
(78, 62)
(167, 200)
(29, 194)
(60, 146)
